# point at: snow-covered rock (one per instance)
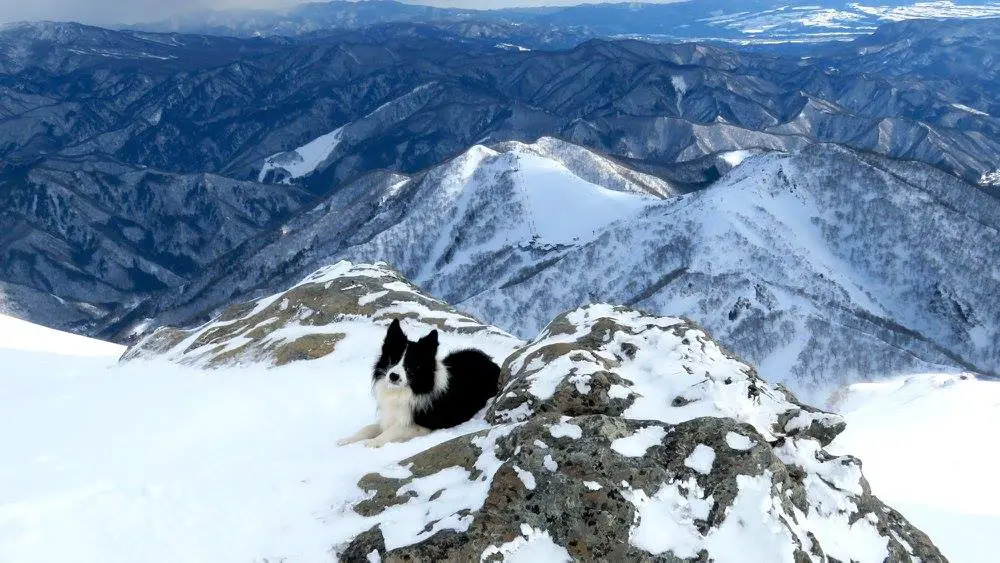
(633, 438)
(612, 426)
(307, 321)
(617, 361)
(990, 179)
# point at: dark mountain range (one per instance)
(104, 234)
(149, 178)
(203, 104)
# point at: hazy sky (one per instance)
(489, 4)
(131, 11)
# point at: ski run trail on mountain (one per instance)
(156, 462)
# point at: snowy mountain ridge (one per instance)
(498, 199)
(790, 259)
(812, 245)
(205, 116)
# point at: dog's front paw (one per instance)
(375, 443)
(346, 441)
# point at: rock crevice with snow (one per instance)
(621, 436)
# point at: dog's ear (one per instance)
(431, 340)
(395, 338)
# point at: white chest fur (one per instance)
(395, 405)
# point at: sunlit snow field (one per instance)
(155, 462)
(929, 448)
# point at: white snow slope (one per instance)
(156, 462)
(305, 159)
(929, 451)
(489, 210)
(16, 334)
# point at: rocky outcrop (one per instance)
(617, 436)
(308, 321)
(620, 436)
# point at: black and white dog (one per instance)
(417, 393)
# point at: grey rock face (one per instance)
(584, 479)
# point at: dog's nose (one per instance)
(394, 377)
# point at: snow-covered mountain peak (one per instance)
(789, 259)
(457, 173)
(560, 207)
(592, 167)
(813, 245)
(499, 210)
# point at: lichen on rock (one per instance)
(308, 321)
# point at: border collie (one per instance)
(418, 393)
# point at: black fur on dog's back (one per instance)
(473, 378)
